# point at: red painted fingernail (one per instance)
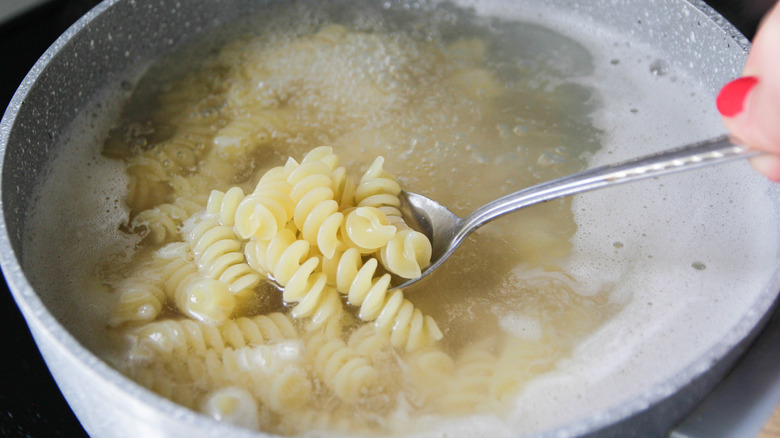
(731, 99)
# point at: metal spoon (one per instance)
(447, 231)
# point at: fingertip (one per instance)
(768, 165)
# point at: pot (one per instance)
(710, 237)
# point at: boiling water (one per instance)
(465, 110)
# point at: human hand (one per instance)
(750, 105)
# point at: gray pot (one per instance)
(119, 36)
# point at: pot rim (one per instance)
(36, 312)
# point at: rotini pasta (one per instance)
(281, 384)
(140, 300)
(195, 295)
(368, 342)
(218, 204)
(430, 371)
(367, 229)
(232, 405)
(408, 250)
(265, 211)
(162, 223)
(391, 312)
(283, 259)
(406, 253)
(378, 188)
(224, 205)
(347, 373)
(469, 390)
(180, 337)
(170, 380)
(219, 255)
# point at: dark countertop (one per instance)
(30, 402)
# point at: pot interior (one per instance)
(685, 266)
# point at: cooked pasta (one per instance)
(168, 380)
(283, 259)
(430, 371)
(378, 188)
(180, 337)
(152, 168)
(368, 342)
(469, 389)
(194, 294)
(408, 250)
(219, 255)
(224, 205)
(390, 311)
(281, 384)
(140, 300)
(232, 405)
(265, 211)
(367, 229)
(406, 253)
(219, 204)
(349, 374)
(162, 223)
(240, 137)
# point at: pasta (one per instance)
(367, 229)
(194, 295)
(232, 405)
(219, 255)
(265, 211)
(407, 251)
(162, 223)
(219, 205)
(150, 170)
(141, 298)
(283, 259)
(347, 373)
(430, 371)
(170, 380)
(280, 384)
(180, 337)
(474, 373)
(367, 342)
(224, 205)
(391, 312)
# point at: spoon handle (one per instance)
(706, 153)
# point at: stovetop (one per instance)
(30, 402)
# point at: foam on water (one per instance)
(688, 254)
(87, 192)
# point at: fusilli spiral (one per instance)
(408, 250)
(347, 373)
(195, 295)
(162, 223)
(140, 300)
(283, 259)
(391, 313)
(232, 405)
(219, 256)
(179, 337)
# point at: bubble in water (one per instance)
(699, 266)
(520, 130)
(547, 159)
(659, 67)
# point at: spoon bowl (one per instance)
(446, 231)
